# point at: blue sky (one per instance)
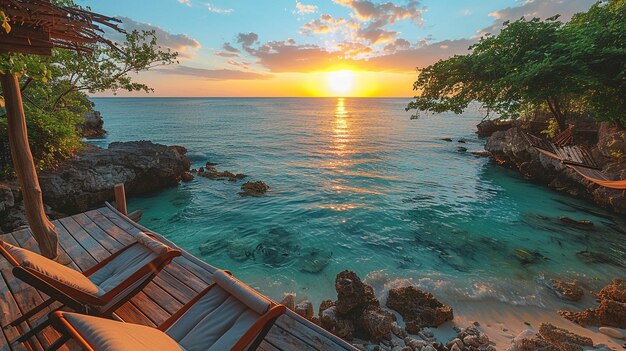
(268, 43)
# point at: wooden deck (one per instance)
(88, 238)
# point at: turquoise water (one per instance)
(355, 184)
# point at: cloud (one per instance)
(246, 40)
(244, 65)
(230, 48)
(177, 42)
(302, 9)
(185, 2)
(388, 12)
(367, 21)
(227, 54)
(397, 45)
(326, 23)
(537, 8)
(214, 74)
(212, 8)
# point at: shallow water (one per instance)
(355, 184)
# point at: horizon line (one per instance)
(251, 97)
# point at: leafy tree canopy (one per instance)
(537, 65)
(55, 88)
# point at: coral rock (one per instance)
(305, 309)
(418, 308)
(567, 290)
(254, 189)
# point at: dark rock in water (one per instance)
(87, 180)
(211, 172)
(599, 257)
(612, 309)
(418, 308)
(446, 139)
(313, 260)
(356, 312)
(254, 189)
(461, 149)
(461, 141)
(481, 153)
(570, 221)
(568, 290)
(352, 293)
(528, 257)
(187, 177)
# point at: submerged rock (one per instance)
(528, 257)
(254, 189)
(211, 172)
(313, 260)
(583, 223)
(612, 309)
(568, 290)
(599, 257)
(418, 308)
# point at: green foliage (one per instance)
(54, 89)
(535, 65)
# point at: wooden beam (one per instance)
(120, 199)
(43, 230)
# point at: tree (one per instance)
(536, 65)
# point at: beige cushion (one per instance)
(242, 292)
(107, 335)
(215, 322)
(53, 269)
(121, 267)
(158, 247)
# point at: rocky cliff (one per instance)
(87, 180)
(509, 148)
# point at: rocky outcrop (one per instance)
(87, 180)
(489, 126)
(550, 338)
(509, 148)
(211, 172)
(611, 311)
(356, 312)
(567, 290)
(418, 308)
(92, 126)
(257, 188)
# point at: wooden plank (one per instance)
(10, 311)
(283, 340)
(27, 296)
(306, 334)
(131, 314)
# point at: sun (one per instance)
(340, 82)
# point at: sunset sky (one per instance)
(312, 48)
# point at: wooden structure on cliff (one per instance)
(36, 27)
(88, 238)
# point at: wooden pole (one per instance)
(120, 199)
(43, 230)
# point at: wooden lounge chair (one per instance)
(99, 290)
(228, 315)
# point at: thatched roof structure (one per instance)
(38, 25)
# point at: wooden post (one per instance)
(43, 230)
(120, 199)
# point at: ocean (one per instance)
(356, 184)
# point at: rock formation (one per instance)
(254, 189)
(93, 125)
(418, 308)
(87, 180)
(611, 311)
(550, 338)
(509, 148)
(356, 312)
